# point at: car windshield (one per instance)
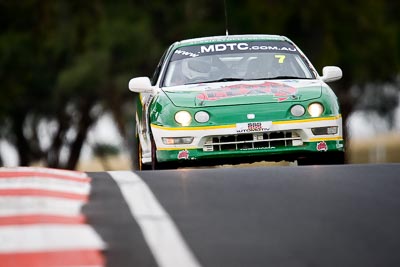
(235, 61)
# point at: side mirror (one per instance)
(141, 85)
(331, 74)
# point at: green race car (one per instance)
(236, 99)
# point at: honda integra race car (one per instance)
(235, 99)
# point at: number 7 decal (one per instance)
(281, 58)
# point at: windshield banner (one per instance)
(232, 48)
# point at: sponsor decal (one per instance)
(224, 47)
(249, 127)
(185, 53)
(234, 47)
(257, 148)
(280, 92)
(322, 146)
(184, 154)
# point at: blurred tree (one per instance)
(39, 45)
(103, 151)
(65, 62)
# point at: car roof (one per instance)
(230, 38)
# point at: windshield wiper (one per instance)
(224, 80)
(280, 78)
(241, 79)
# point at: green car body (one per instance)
(236, 99)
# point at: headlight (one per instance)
(297, 110)
(315, 109)
(183, 117)
(201, 116)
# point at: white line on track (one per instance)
(161, 234)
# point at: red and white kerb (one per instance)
(41, 220)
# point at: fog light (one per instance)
(177, 140)
(297, 110)
(325, 130)
(201, 116)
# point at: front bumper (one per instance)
(283, 140)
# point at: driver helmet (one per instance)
(196, 68)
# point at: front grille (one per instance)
(251, 141)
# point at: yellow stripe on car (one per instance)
(194, 128)
(234, 125)
(308, 120)
(336, 138)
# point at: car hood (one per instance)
(243, 92)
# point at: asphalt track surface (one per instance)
(302, 216)
(264, 216)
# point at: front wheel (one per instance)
(137, 156)
(154, 163)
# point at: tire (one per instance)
(137, 156)
(321, 158)
(154, 163)
(142, 166)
